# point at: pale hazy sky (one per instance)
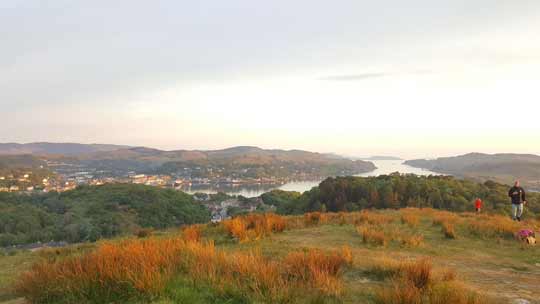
(409, 78)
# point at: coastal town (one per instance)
(66, 177)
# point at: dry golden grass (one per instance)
(416, 240)
(373, 218)
(192, 233)
(445, 274)
(454, 292)
(399, 292)
(254, 226)
(141, 268)
(128, 267)
(410, 219)
(494, 226)
(314, 218)
(449, 230)
(373, 235)
(415, 282)
(320, 269)
(440, 217)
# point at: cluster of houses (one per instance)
(16, 183)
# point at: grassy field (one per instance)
(407, 256)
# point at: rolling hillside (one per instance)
(503, 168)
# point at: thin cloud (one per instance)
(353, 77)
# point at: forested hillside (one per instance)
(397, 191)
(90, 213)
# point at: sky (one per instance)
(417, 78)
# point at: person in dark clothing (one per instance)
(517, 194)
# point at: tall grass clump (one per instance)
(440, 217)
(410, 219)
(140, 269)
(112, 272)
(254, 226)
(320, 269)
(415, 282)
(373, 218)
(313, 218)
(192, 233)
(373, 235)
(415, 240)
(449, 230)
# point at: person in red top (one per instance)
(478, 204)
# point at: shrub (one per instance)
(144, 233)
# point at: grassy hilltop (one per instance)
(386, 256)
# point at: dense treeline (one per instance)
(89, 213)
(397, 191)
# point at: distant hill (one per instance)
(244, 160)
(241, 161)
(45, 148)
(498, 167)
(20, 161)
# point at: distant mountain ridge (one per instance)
(236, 161)
(503, 167)
(46, 148)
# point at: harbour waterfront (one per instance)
(383, 167)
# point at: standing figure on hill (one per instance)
(517, 194)
(478, 205)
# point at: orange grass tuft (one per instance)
(399, 292)
(192, 233)
(410, 219)
(414, 282)
(373, 235)
(416, 240)
(141, 268)
(254, 226)
(440, 217)
(313, 218)
(449, 230)
(373, 218)
(494, 226)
